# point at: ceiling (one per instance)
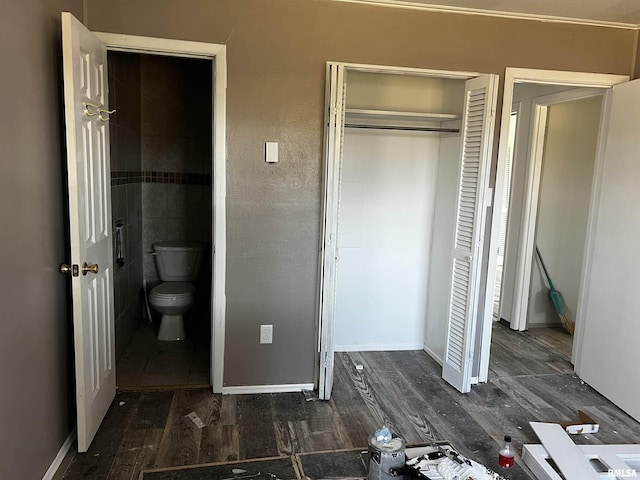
(622, 12)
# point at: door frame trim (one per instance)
(545, 77)
(218, 55)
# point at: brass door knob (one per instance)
(86, 268)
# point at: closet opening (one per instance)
(407, 166)
(401, 144)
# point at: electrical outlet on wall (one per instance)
(266, 333)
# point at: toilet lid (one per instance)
(173, 289)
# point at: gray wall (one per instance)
(277, 52)
(36, 372)
(126, 191)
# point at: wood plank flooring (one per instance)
(403, 390)
(554, 339)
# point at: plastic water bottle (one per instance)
(505, 458)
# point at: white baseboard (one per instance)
(285, 388)
(378, 348)
(53, 468)
(432, 354)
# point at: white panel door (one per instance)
(608, 338)
(87, 134)
(472, 201)
(336, 89)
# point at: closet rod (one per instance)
(396, 127)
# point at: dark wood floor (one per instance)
(553, 339)
(528, 382)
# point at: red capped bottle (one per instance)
(505, 458)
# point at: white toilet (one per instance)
(177, 264)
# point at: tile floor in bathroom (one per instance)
(149, 362)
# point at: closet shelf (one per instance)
(438, 117)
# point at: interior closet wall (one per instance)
(565, 194)
(387, 195)
(388, 200)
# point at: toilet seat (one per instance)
(173, 290)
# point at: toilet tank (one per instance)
(178, 261)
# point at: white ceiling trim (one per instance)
(493, 13)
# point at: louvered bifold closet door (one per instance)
(335, 96)
(469, 232)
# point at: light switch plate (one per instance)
(271, 152)
(266, 333)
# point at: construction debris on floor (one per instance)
(388, 458)
(559, 458)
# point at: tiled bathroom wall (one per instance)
(126, 191)
(160, 172)
(176, 152)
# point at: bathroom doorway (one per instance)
(161, 171)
